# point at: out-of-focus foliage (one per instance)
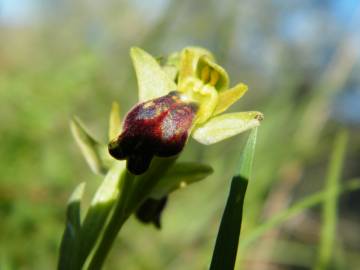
(60, 58)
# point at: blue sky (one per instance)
(17, 11)
(23, 11)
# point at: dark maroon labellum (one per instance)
(158, 127)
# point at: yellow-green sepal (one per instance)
(225, 126)
(228, 97)
(153, 82)
(114, 121)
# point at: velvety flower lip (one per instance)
(158, 127)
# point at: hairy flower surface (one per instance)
(184, 96)
(159, 127)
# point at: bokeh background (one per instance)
(60, 58)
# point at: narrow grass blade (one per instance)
(70, 241)
(328, 232)
(297, 208)
(226, 245)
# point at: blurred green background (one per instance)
(60, 58)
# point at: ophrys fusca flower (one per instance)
(183, 97)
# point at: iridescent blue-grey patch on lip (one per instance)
(147, 113)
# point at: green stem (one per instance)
(118, 218)
(133, 192)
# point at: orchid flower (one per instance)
(186, 96)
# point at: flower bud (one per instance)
(150, 211)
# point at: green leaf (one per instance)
(95, 153)
(297, 208)
(178, 176)
(99, 209)
(328, 232)
(227, 125)
(70, 241)
(114, 121)
(228, 97)
(152, 80)
(227, 240)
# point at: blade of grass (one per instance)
(227, 240)
(329, 214)
(297, 208)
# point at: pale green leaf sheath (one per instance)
(152, 80)
(99, 209)
(225, 126)
(70, 242)
(94, 153)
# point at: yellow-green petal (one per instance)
(228, 97)
(114, 121)
(188, 62)
(152, 80)
(225, 126)
(222, 81)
